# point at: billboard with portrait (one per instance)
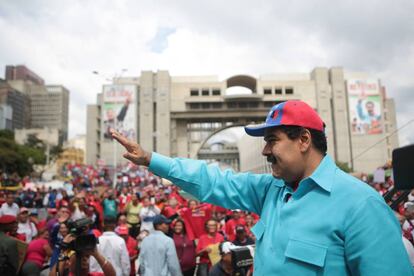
(364, 101)
(119, 110)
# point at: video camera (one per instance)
(242, 256)
(83, 241)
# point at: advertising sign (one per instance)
(119, 110)
(364, 101)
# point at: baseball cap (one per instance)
(160, 219)
(122, 230)
(240, 228)
(289, 113)
(6, 219)
(23, 210)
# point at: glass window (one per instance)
(278, 91)
(289, 91)
(205, 92)
(216, 92)
(267, 91)
(194, 92)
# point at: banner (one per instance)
(119, 110)
(364, 101)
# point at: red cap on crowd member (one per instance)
(6, 219)
(122, 230)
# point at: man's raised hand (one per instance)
(134, 153)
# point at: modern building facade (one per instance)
(48, 104)
(175, 115)
(19, 105)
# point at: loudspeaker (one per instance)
(403, 167)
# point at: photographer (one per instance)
(67, 266)
(339, 214)
(225, 267)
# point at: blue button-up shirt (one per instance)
(333, 224)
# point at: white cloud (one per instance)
(64, 41)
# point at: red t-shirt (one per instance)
(231, 228)
(131, 245)
(36, 252)
(204, 241)
(123, 200)
(195, 219)
(169, 211)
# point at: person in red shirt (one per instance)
(195, 217)
(123, 199)
(37, 254)
(185, 248)
(172, 208)
(232, 223)
(131, 244)
(202, 250)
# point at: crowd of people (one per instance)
(141, 205)
(121, 218)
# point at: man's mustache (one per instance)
(271, 159)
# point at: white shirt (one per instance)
(12, 210)
(114, 249)
(28, 229)
(147, 214)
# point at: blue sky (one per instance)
(64, 41)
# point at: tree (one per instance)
(18, 158)
(344, 166)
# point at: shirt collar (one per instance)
(324, 173)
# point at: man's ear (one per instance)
(305, 140)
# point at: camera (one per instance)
(242, 256)
(83, 241)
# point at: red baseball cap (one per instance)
(289, 113)
(122, 230)
(6, 219)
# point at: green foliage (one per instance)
(18, 158)
(7, 133)
(344, 166)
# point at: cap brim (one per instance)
(256, 130)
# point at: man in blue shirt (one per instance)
(315, 218)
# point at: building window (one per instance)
(267, 91)
(278, 91)
(205, 105)
(194, 92)
(194, 105)
(216, 92)
(289, 91)
(243, 105)
(268, 104)
(205, 92)
(232, 105)
(254, 104)
(216, 105)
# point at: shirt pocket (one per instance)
(306, 252)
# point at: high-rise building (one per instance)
(176, 115)
(49, 104)
(19, 105)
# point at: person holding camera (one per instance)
(225, 266)
(67, 265)
(315, 219)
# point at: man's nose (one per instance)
(266, 150)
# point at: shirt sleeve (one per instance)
(172, 259)
(209, 184)
(373, 244)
